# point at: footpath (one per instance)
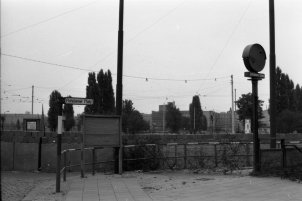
(106, 188)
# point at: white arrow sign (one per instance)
(78, 101)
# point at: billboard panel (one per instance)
(102, 130)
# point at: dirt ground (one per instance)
(15, 186)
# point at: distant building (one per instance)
(157, 119)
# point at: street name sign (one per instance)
(78, 101)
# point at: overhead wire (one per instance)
(228, 40)
(45, 20)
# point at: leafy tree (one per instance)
(69, 116)
(204, 125)
(18, 125)
(92, 92)
(2, 122)
(132, 120)
(101, 83)
(245, 107)
(196, 114)
(173, 118)
(108, 98)
(185, 123)
(289, 121)
(54, 109)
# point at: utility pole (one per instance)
(235, 100)
(32, 100)
(272, 74)
(232, 84)
(119, 84)
(164, 108)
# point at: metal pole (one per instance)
(59, 144)
(40, 154)
(233, 122)
(119, 83)
(32, 100)
(272, 74)
(256, 164)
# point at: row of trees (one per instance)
(55, 110)
(288, 104)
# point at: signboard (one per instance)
(78, 101)
(100, 130)
(254, 75)
(31, 124)
(247, 126)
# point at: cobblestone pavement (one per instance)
(16, 185)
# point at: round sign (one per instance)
(254, 57)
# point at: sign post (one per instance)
(254, 58)
(59, 144)
(72, 101)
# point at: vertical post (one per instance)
(215, 152)
(119, 83)
(185, 157)
(65, 162)
(272, 74)
(256, 165)
(175, 154)
(59, 143)
(194, 121)
(164, 118)
(40, 154)
(233, 118)
(93, 161)
(283, 154)
(32, 99)
(82, 156)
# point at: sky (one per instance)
(173, 49)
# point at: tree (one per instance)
(185, 123)
(18, 125)
(132, 120)
(69, 116)
(289, 121)
(108, 98)
(54, 109)
(196, 114)
(245, 107)
(204, 125)
(92, 92)
(173, 118)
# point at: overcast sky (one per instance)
(180, 46)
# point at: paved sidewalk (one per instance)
(106, 188)
(182, 187)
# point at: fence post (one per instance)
(40, 154)
(185, 157)
(215, 152)
(175, 154)
(93, 161)
(65, 161)
(283, 149)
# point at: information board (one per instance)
(101, 130)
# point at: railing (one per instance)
(93, 162)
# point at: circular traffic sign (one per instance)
(254, 57)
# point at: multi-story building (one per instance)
(158, 123)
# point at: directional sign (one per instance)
(78, 101)
(254, 75)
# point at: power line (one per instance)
(45, 20)
(228, 40)
(128, 76)
(142, 31)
